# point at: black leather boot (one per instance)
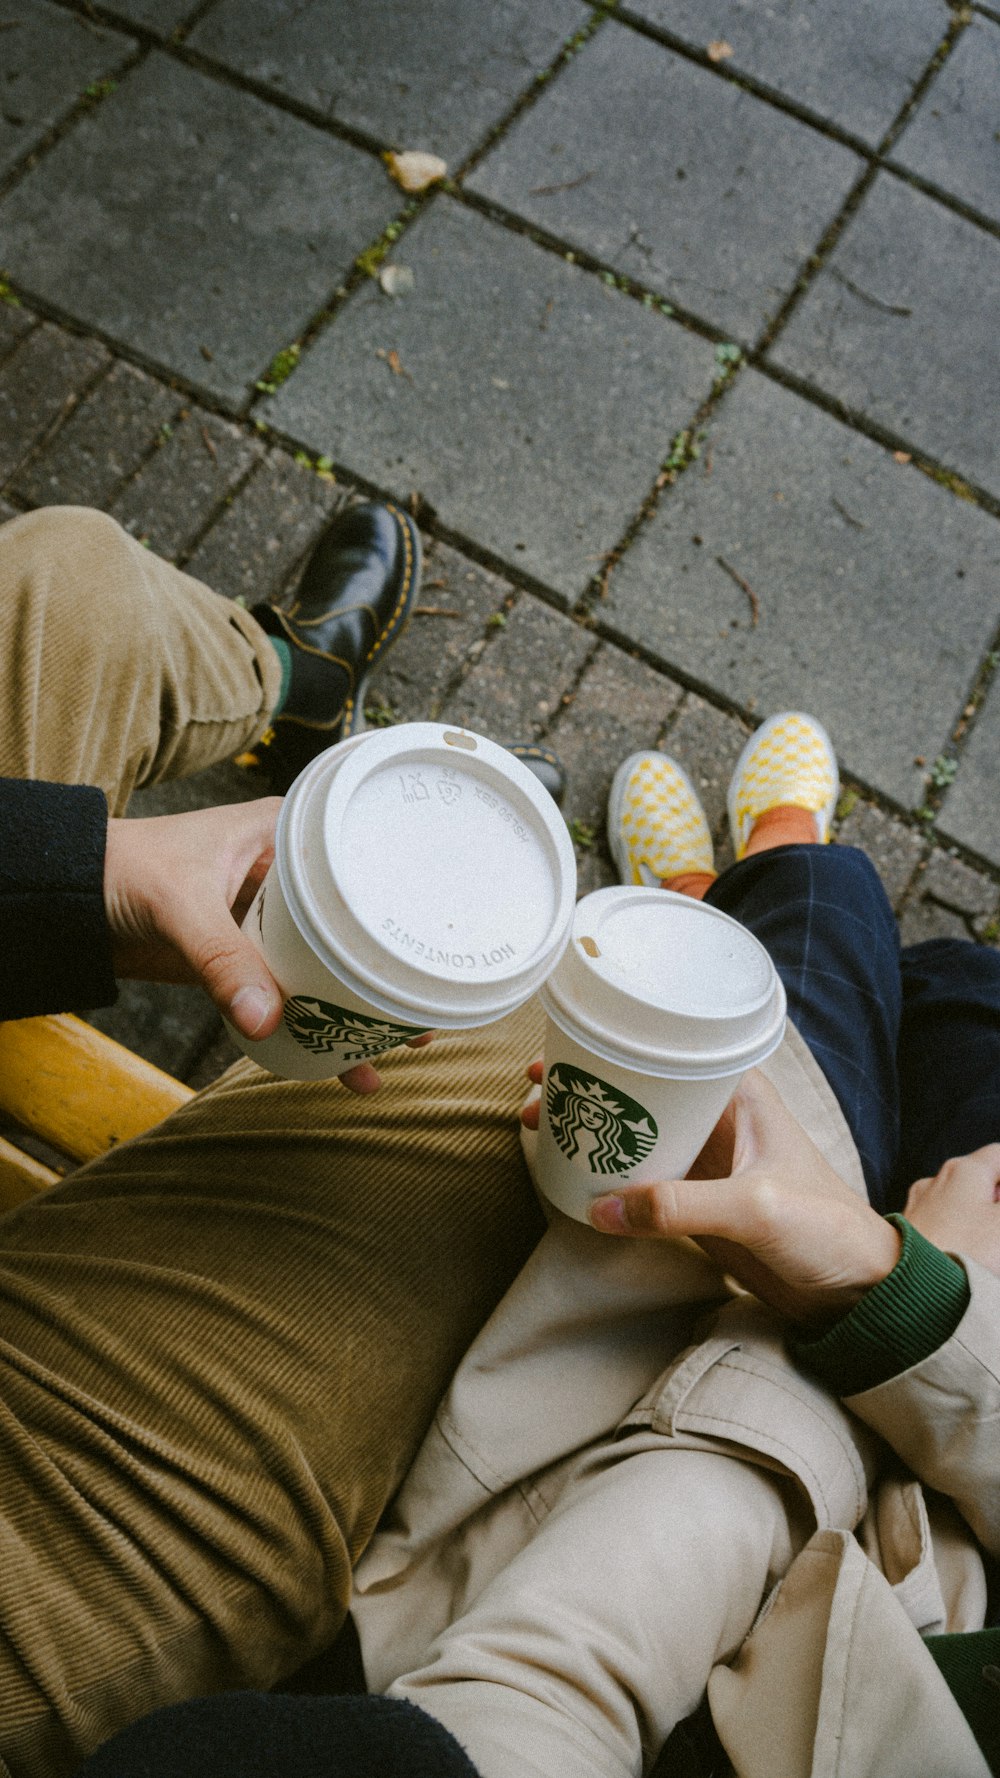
(355, 596)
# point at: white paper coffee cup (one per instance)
(658, 1007)
(423, 879)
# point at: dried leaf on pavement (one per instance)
(414, 170)
(718, 50)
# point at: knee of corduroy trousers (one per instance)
(220, 1346)
(119, 670)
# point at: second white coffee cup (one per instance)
(659, 1005)
(422, 880)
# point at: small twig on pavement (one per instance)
(548, 191)
(745, 587)
(208, 442)
(436, 611)
(866, 296)
(858, 524)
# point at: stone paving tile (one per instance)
(893, 848)
(514, 690)
(419, 669)
(168, 1025)
(619, 706)
(876, 588)
(432, 77)
(102, 442)
(218, 784)
(161, 16)
(853, 64)
(594, 870)
(956, 885)
(15, 322)
(41, 380)
(922, 919)
(612, 179)
(221, 1053)
(971, 810)
(176, 491)
(252, 548)
(50, 58)
(952, 138)
(707, 743)
(186, 218)
(531, 405)
(900, 325)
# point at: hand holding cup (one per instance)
(762, 1201)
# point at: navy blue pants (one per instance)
(908, 1039)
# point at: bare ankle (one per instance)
(786, 825)
(695, 883)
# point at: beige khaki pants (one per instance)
(579, 1657)
(220, 1345)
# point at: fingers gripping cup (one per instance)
(422, 880)
(658, 1007)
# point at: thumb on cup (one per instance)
(669, 1209)
(233, 973)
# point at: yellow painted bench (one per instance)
(76, 1090)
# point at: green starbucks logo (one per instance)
(601, 1124)
(321, 1027)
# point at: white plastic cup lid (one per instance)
(431, 869)
(667, 985)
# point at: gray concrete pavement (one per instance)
(707, 303)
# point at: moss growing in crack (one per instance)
(578, 39)
(943, 772)
(369, 261)
(280, 369)
(583, 835)
(728, 356)
(947, 479)
(99, 89)
(379, 713)
(321, 466)
(7, 295)
(685, 449)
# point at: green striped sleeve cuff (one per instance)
(895, 1325)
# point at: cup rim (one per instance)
(429, 995)
(628, 1033)
(681, 1065)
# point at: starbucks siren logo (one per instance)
(598, 1122)
(321, 1027)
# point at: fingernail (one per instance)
(249, 1008)
(608, 1215)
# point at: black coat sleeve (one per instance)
(55, 947)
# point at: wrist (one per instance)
(901, 1320)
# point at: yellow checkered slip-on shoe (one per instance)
(656, 824)
(789, 761)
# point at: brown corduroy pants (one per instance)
(220, 1344)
